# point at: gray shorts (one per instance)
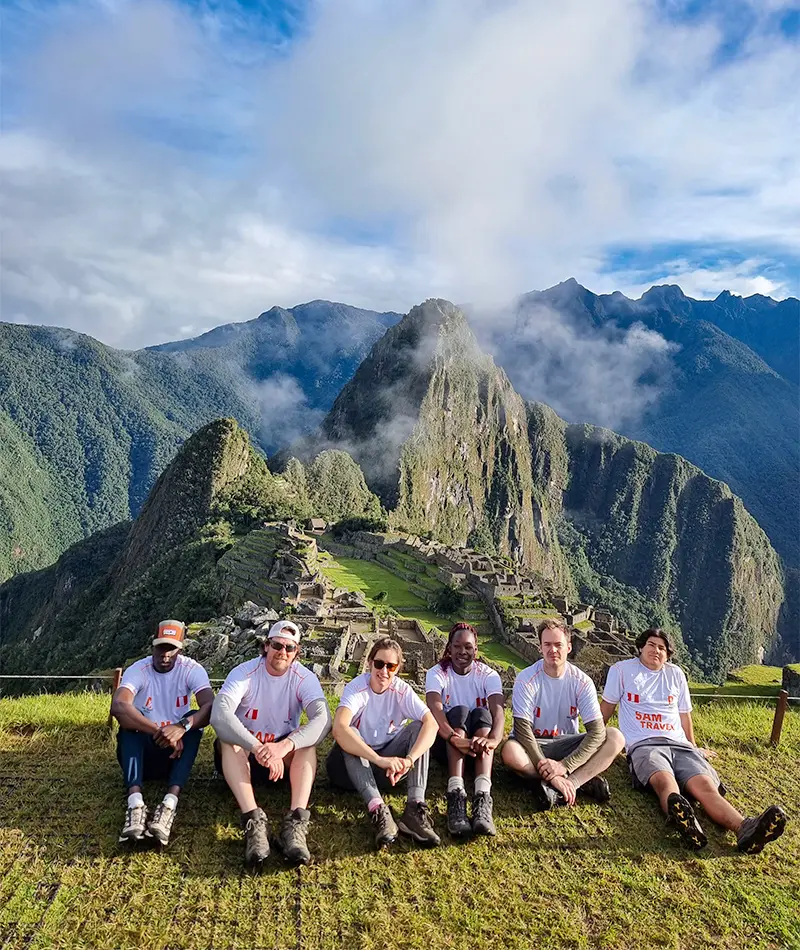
(683, 761)
(561, 747)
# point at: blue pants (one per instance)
(142, 759)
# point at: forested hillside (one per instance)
(448, 444)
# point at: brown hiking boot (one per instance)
(682, 816)
(754, 833)
(384, 826)
(161, 824)
(415, 822)
(291, 840)
(256, 838)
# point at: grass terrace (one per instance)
(591, 877)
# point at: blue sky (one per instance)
(170, 166)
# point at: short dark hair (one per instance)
(554, 623)
(386, 643)
(655, 632)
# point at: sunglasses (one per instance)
(379, 665)
(278, 647)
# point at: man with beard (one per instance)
(159, 734)
(257, 719)
(545, 745)
(466, 699)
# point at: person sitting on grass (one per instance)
(159, 734)
(545, 745)
(655, 716)
(466, 699)
(383, 732)
(259, 739)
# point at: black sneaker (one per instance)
(457, 822)
(291, 839)
(135, 823)
(416, 823)
(161, 825)
(548, 797)
(597, 789)
(682, 815)
(482, 820)
(754, 833)
(384, 826)
(256, 837)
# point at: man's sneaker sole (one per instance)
(596, 789)
(685, 820)
(131, 839)
(420, 839)
(770, 826)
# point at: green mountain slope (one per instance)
(444, 438)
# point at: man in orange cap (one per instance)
(159, 734)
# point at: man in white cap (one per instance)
(257, 719)
(159, 734)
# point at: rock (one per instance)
(310, 608)
(267, 617)
(791, 680)
(244, 617)
(213, 649)
(190, 647)
(238, 634)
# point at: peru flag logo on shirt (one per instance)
(149, 704)
(573, 712)
(633, 697)
(670, 700)
(251, 714)
(181, 701)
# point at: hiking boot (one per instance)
(682, 815)
(416, 823)
(597, 789)
(135, 820)
(256, 838)
(161, 824)
(291, 840)
(548, 796)
(384, 826)
(457, 822)
(482, 821)
(754, 833)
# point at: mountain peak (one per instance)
(666, 293)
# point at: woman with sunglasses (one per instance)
(383, 732)
(466, 699)
(257, 719)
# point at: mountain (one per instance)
(447, 443)
(726, 396)
(85, 430)
(99, 603)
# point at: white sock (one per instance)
(135, 800)
(170, 800)
(482, 784)
(455, 784)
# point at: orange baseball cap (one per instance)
(170, 633)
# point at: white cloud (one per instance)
(164, 173)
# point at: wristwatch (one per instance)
(186, 722)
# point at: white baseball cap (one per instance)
(286, 630)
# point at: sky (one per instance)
(167, 167)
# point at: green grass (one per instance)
(371, 578)
(608, 877)
(496, 652)
(753, 680)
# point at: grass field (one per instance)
(746, 681)
(609, 876)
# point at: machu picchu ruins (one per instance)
(283, 569)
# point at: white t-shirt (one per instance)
(378, 716)
(164, 697)
(552, 705)
(471, 689)
(650, 701)
(269, 706)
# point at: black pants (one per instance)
(258, 774)
(140, 758)
(462, 717)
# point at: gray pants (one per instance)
(349, 771)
